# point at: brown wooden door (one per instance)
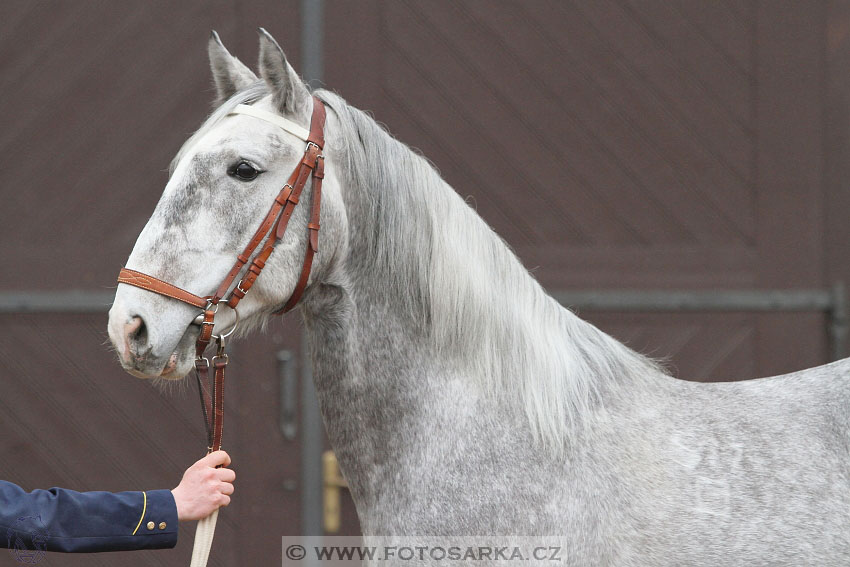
(97, 98)
(618, 144)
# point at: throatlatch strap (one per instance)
(313, 238)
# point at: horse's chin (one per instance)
(173, 376)
(172, 370)
(175, 369)
(138, 374)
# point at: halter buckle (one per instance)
(220, 354)
(199, 320)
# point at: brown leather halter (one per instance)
(274, 226)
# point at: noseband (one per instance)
(273, 226)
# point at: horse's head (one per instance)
(222, 184)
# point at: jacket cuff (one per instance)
(159, 519)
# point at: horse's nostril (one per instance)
(136, 331)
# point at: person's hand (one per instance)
(204, 488)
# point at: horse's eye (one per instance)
(244, 171)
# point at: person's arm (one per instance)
(65, 520)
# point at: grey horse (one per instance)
(461, 399)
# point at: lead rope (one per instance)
(204, 534)
(212, 406)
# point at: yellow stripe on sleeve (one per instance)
(144, 509)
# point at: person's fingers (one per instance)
(215, 459)
(226, 488)
(226, 475)
(206, 461)
(224, 500)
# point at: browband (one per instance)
(275, 119)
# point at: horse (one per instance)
(460, 398)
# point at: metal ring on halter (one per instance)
(231, 329)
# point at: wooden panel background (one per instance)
(97, 98)
(613, 143)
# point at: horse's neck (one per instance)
(429, 295)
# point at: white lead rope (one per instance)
(203, 540)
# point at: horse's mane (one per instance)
(478, 304)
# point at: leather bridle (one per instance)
(273, 226)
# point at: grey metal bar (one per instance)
(312, 446)
(312, 42)
(71, 301)
(80, 301)
(720, 300)
(288, 393)
(832, 302)
(312, 431)
(838, 327)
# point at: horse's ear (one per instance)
(290, 94)
(230, 74)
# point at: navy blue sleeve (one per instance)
(65, 520)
